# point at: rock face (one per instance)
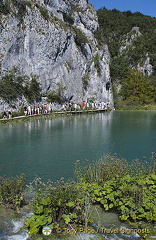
(54, 39)
(128, 40)
(146, 68)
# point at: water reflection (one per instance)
(134, 133)
(49, 148)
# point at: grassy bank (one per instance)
(123, 105)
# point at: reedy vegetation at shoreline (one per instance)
(126, 189)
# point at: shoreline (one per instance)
(53, 114)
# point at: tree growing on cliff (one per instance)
(11, 85)
(14, 85)
(33, 90)
(57, 95)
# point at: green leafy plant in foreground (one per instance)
(56, 204)
(132, 197)
(12, 191)
(128, 189)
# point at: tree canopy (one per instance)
(137, 88)
(14, 85)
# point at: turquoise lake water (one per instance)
(48, 148)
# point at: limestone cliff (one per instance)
(128, 44)
(54, 39)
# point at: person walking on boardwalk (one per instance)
(10, 113)
(29, 110)
(4, 114)
(25, 111)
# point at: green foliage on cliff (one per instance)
(115, 27)
(97, 64)
(129, 48)
(11, 85)
(14, 85)
(80, 37)
(56, 95)
(115, 24)
(85, 81)
(6, 7)
(43, 11)
(32, 90)
(68, 18)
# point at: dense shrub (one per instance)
(132, 197)
(97, 64)
(85, 81)
(114, 24)
(12, 191)
(128, 189)
(111, 182)
(80, 37)
(32, 90)
(138, 89)
(11, 85)
(44, 12)
(4, 8)
(56, 205)
(68, 18)
(56, 95)
(14, 85)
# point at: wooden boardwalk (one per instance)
(54, 113)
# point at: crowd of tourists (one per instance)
(7, 114)
(50, 107)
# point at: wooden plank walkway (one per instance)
(54, 113)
